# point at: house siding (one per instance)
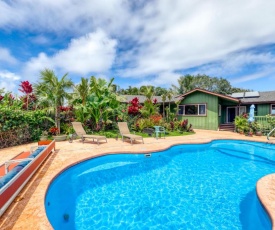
(210, 121)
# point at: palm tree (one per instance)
(169, 96)
(147, 91)
(52, 92)
(82, 90)
(186, 83)
(163, 98)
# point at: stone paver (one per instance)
(28, 212)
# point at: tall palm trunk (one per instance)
(163, 111)
(57, 118)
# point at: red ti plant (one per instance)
(26, 88)
(1, 97)
(134, 107)
(53, 130)
(183, 124)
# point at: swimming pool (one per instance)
(203, 186)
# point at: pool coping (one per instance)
(33, 210)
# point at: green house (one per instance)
(213, 111)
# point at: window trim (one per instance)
(272, 114)
(239, 110)
(194, 115)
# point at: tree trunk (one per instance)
(163, 110)
(57, 119)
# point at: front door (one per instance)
(231, 114)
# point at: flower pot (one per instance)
(60, 138)
(258, 133)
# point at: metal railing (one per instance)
(263, 123)
(268, 135)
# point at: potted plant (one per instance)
(55, 135)
(256, 128)
(44, 135)
(69, 131)
(250, 132)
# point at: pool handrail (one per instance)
(270, 133)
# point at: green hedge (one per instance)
(36, 121)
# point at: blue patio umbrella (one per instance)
(251, 113)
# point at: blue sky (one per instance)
(141, 42)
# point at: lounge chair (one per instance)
(79, 130)
(124, 132)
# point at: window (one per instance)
(193, 109)
(220, 110)
(273, 109)
(242, 110)
(181, 110)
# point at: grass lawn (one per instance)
(113, 134)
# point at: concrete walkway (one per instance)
(27, 211)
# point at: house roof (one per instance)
(211, 93)
(264, 97)
(142, 98)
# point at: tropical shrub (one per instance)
(271, 120)
(241, 123)
(150, 108)
(36, 121)
(15, 137)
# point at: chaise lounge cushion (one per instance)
(11, 174)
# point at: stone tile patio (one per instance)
(27, 211)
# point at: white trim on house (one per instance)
(239, 110)
(272, 109)
(201, 107)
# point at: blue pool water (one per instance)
(206, 186)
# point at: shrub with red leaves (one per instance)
(172, 125)
(183, 124)
(156, 118)
(155, 101)
(65, 108)
(134, 106)
(26, 87)
(53, 130)
(1, 97)
(245, 115)
(32, 99)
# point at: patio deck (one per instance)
(27, 211)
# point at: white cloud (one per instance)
(235, 62)
(264, 73)
(158, 38)
(165, 79)
(94, 52)
(8, 81)
(179, 35)
(5, 56)
(9, 76)
(68, 15)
